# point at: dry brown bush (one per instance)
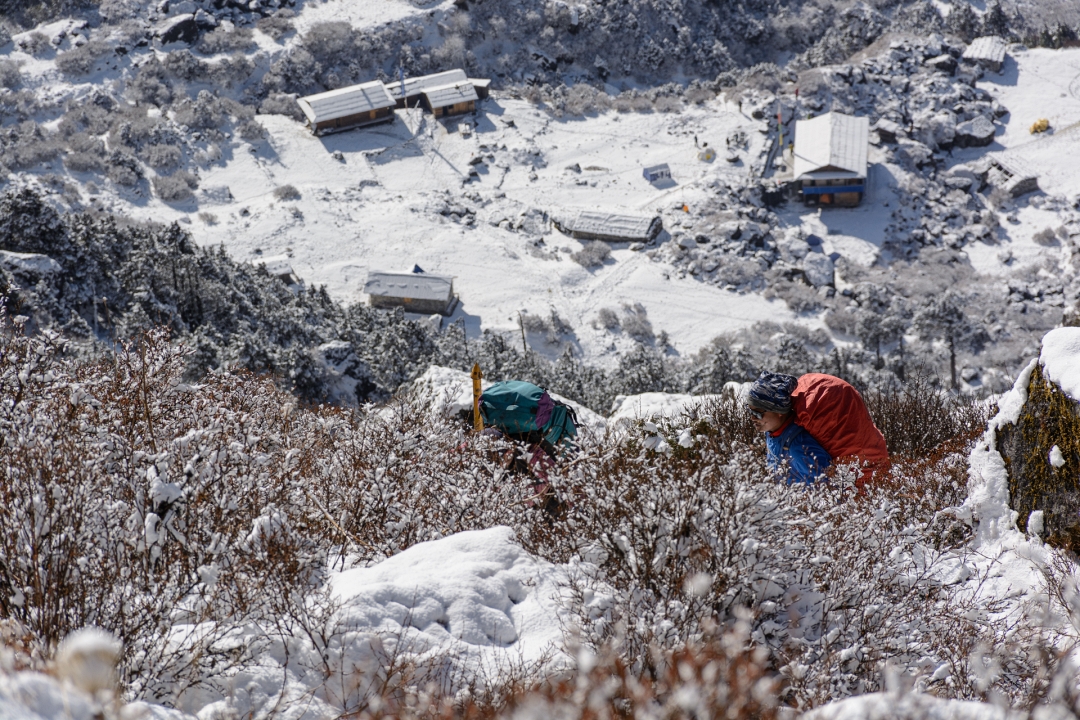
(145, 506)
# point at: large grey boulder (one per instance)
(818, 269)
(977, 132)
(183, 29)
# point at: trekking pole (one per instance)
(477, 376)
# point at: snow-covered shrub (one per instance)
(230, 71)
(330, 42)
(635, 322)
(281, 104)
(295, 72)
(27, 145)
(149, 85)
(80, 61)
(10, 77)
(35, 43)
(592, 254)
(117, 11)
(286, 192)
(251, 131)
(176, 187)
(205, 112)
(83, 162)
(161, 157)
(226, 40)
(1046, 236)
(608, 318)
(277, 25)
(123, 169)
(183, 65)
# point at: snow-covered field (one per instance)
(380, 208)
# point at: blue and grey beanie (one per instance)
(772, 392)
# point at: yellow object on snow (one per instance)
(1041, 125)
(707, 155)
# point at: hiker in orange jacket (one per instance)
(833, 413)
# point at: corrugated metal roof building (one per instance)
(408, 93)
(453, 99)
(347, 107)
(416, 292)
(614, 227)
(988, 51)
(831, 159)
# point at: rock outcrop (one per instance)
(1041, 449)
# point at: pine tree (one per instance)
(963, 22)
(995, 21)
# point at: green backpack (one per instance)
(522, 409)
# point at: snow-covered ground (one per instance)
(378, 207)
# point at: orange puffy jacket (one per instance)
(834, 413)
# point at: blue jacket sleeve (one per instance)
(805, 457)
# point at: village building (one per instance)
(453, 99)
(348, 107)
(831, 159)
(612, 227)
(279, 266)
(482, 86)
(1011, 174)
(417, 292)
(987, 51)
(657, 173)
(408, 92)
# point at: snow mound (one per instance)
(36, 696)
(628, 408)
(1060, 358)
(475, 593)
(87, 658)
(888, 706)
(445, 391)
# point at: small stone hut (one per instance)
(987, 51)
(347, 108)
(416, 292)
(656, 173)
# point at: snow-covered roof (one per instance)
(276, 265)
(452, 94)
(417, 286)
(346, 101)
(832, 141)
(988, 48)
(609, 224)
(415, 86)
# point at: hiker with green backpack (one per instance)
(527, 414)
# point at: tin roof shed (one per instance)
(987, 50)
(832, 142)
(605, 225)
(345, 102)
(443, 96)
(417, 286)
(415, 86)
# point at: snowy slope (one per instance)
(380, 208)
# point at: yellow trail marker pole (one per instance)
(477, 376)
